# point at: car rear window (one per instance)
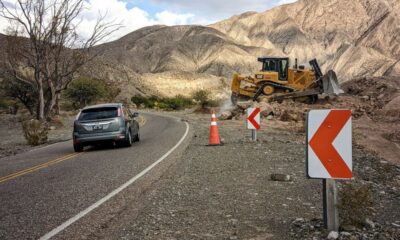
(99, 113)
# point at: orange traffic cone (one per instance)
(214, 139)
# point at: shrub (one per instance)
(35, 132)
(356, 204)
(112, 92)
(21, 91)
(148, 102)
(175, 103)
(213, 103)
(84, 91)
(202, 97)
(5, 104)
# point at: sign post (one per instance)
(253, 135)
(331, 215)
(329, 155)
(253, 121)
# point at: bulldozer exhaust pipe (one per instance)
(316, 68)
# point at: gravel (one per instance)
(226, 192)
(253, 190)
(12, 138)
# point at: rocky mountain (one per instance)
(175, 59)
(355, 38)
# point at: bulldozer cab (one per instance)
(279, 65)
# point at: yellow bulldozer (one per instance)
(277, 81)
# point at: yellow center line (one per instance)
(46, 164)
(37, 167)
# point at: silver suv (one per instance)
(105, 122)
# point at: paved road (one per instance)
(43, 188)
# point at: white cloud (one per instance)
(116, 11)
(169, 18)
(173, 12)
(209, 11)
(281, 2)
(3, 24)
(130, 19)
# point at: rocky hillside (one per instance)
(175, 59)
(355, 38)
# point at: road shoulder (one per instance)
(226, 192)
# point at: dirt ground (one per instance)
(375, 103)
(12, 138)
(226, 192)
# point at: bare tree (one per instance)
(54, 51)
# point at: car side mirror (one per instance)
(135, 114)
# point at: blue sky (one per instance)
(204, 11)
(135, 14)
(148, 6)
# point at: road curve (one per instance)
(42, 189)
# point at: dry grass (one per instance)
(35, 132)
(356, 204)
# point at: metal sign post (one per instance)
(253, 121)
(331, 214)
(329, 156)
(253, 135)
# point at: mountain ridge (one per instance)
(356, 39)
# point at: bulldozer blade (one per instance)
(330, 83)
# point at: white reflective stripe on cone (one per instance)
(213, 123)
(213, 116)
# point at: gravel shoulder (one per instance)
(225, 192)
(12, 138)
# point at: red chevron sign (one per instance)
(253, 118)
(329, 150)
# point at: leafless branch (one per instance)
(54, 51)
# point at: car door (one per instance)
(135, 124)
(131, 121)
(127, 118)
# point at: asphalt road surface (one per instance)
(45, 192)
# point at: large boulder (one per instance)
(226, 115)
(245, 105)
(266, 109)
(290, 116)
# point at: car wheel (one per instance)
(78, 147)
(129, 140)
(137, 137)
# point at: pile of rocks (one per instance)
(314, 229)
(384, 181)
(286, 111)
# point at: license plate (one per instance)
(97, 127)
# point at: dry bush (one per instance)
(285, 116)
(356, 204)
(202, 97)
(35, 132)
(56, 121)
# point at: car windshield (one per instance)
(98, 113)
